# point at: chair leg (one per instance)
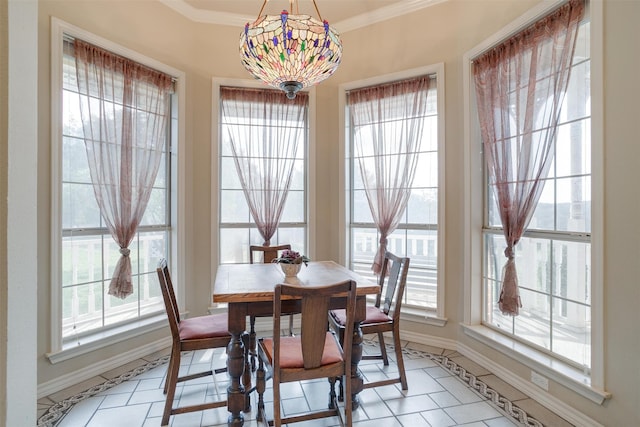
(166, 375)
(260, 388)
(348, 404)
(383, 349)
(340, 379)
(291, 334)
(172, 380)
(332, 393)
(399, 359)
(252, 341)
(277, 417)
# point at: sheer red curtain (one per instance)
(266, 131)
(124, 108)
(387, 126)
(520, 86)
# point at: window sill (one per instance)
(219, 307)
(103, 339)
(424, 316)
(548, 366)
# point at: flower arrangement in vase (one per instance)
(291, 262)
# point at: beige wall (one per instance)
(4, 142)
(622, 210)
(19, 205)
(441, 33)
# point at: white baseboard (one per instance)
(536, 393)
(87, 372)
(432, 341)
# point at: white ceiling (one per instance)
(344, 15)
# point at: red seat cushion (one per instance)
(374, 315)
(211, 326)
(291, 351)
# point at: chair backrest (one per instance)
(269, 253)
(169, 296)
(394, 272)
(314, 308)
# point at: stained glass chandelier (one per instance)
(288, 51)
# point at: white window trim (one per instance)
(177, 240)
(216, 83)
(431, 317)
(592, 386)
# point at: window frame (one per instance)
(216, 129)
(59, 349)
(590, 386)
(426, 315)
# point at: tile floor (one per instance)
(437, 396)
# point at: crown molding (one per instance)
(350, 24)
(384, 13)
(207, 16)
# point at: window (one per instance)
(559, 331)
(554, 254)
(417, 234)
(83, 251)
(253, 116)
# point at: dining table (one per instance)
(248, 290)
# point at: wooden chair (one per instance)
(269, 253)
(315, 353)
(382, 317)
(196, 333)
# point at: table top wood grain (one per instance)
(237, 283)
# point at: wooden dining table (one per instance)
(248, 290)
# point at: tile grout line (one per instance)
(484, 390)
(58, 410)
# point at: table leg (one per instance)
(235, 368)
(246, 376)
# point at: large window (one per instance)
(418, 233)
(554, 255)
(271, 140)
(559, 329)
(84, 250)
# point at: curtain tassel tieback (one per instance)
(125, 251)
(508, 252)
(509, 301)
(379, 257)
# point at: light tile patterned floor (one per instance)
(440, 394)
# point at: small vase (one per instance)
(290, 270)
